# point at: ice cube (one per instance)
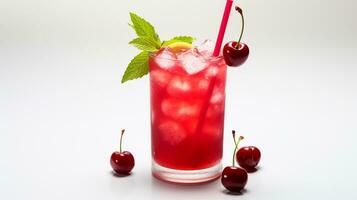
(199, 87)
(216, 107)
(160, 77)
(172, 132)
(192, 61)
(217, 95)
(212, 129)
(203, 84)
(206, 48)
(179, 86)
(215, 110)
(165, 58)
(212, 71)
(180, 109)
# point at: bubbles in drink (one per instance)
(172, 132)
(165, 58)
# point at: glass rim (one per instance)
(206, 59)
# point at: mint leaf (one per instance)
(145, 43)
(187, 39)
(143, 28)
(137, 68)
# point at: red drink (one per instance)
(187, 114)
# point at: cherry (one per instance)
(234, 178)
(122, 162)
(248, 157)
(235, 53)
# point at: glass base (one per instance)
(186, 176)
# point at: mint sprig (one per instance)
(148, 41)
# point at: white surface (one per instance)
(62, 106)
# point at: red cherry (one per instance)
(248, 157)
(234, 178)
(233, 55)
(236, 53)
(122, 162)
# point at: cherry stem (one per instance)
(236, 146)
(241, 33)
(121, 140)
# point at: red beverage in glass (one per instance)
(187, 114)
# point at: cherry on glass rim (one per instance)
(122, 162)
(235, 53)
(234, 178)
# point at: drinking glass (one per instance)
(187, 96)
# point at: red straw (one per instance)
(194, 148)
(223, 27)
(216, 51)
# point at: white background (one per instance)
(62, 105)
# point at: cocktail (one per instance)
(187, 88)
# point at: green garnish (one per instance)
(148, 41)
